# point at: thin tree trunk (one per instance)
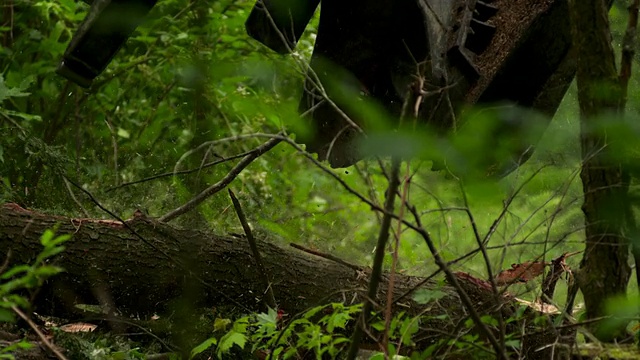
(604, 269)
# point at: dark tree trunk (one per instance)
(106, 263)
(604, 270)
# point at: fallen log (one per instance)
(106, 262)
(143, 267)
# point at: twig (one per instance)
(73, 197)
(331, 173)
(464, 297)
(326, 256)
(281, 137)
(167, 89)
(551, 221)
(271, 299)
(383, 236)
(162, 356)
(507, 204)
(107, 78)
(208, 144)
(181, 172)
(198, 199)
(114, 142)
(307, 214)
(470, 254)
(546, 221)
(414, 99)
(427, 279)
(394, 260)
(485, 257)
(366, 177)
(558, 266)
(43, 338)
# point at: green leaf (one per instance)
(513, 343)
(47, 237)
(18, 269)
(378, 326)
(271, 317)
(292, 352)
(21, 115)
(5, 352)
(48, 270)
(123, 133)
(16, 300)
(277, 352)
(620, 309)
(6, 92)
(96, 309)
(340, 340)
(220, 324)
(425, 296)
(407, 330)
(7, 316)
(489, 320)
(229, 340)
(469, 323)
(394, 324)
(338, 320)
(240, 325)
(47, 253)
(60, 239)
(313, 311)
(203, 346)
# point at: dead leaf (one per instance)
(540, 307)
(521, 272)
(78, 327)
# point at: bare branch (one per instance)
(181, 172)
(198, 199)
(271, 299)
(464, 297)
(376, 272)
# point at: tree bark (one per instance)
(604, 269)
(106, 263)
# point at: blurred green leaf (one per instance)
(425, 296)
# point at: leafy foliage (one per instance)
(20, 278)
(29, 277)
(318, 331)
(190, 89)
(100, 346)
